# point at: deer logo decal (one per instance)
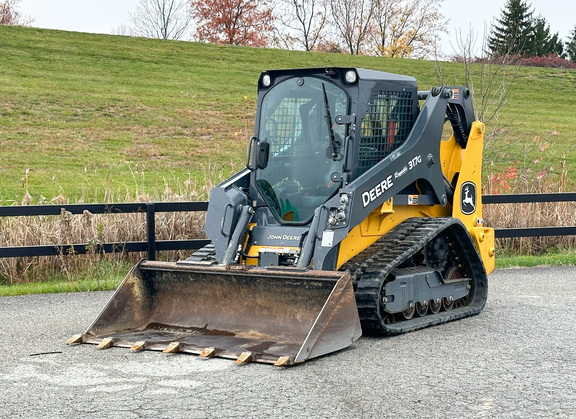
(468, 198)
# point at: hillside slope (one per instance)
(98, 117)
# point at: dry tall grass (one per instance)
(520, 178)
(95, 229)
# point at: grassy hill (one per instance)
(97, 117)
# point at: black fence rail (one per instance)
(526, 199)
(151, 245)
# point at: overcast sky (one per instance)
(104, 16)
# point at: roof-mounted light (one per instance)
(266, 80)
(351, 76)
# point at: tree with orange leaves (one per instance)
(9, 15)
(235, 22)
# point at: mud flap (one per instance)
(279, 316)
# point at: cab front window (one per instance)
(297, 121)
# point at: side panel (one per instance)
(226, 200)
(468, 196)
(418, 158)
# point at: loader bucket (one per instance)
(278, 316)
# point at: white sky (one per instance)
(104, 16)
(463, 15)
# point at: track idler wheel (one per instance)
(447, 304)
(435, 306)
(422, 309)
(409, 312)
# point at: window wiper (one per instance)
(335, 143)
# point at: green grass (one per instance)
(553, 257)
(542, 110)
(101, 275)
(81, 114)
(110, 275)
(56, 286)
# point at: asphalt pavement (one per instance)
(516, 359)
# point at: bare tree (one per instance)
(391, 28)
(305, 20)
(353, 19)
(490, 81)
(161, 19)
(123, 29)
(9, 14)
(406, 28)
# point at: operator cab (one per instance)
(297, 122)
(318, 128)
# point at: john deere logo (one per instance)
(468, 198)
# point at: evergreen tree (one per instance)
(509, 35)
(518, 32)
(540, 43)
(571, 45)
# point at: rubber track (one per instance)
(204, 256)
(371, 268)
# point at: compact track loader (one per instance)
(355, 213)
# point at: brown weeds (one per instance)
(96, 229)
(514, 179)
